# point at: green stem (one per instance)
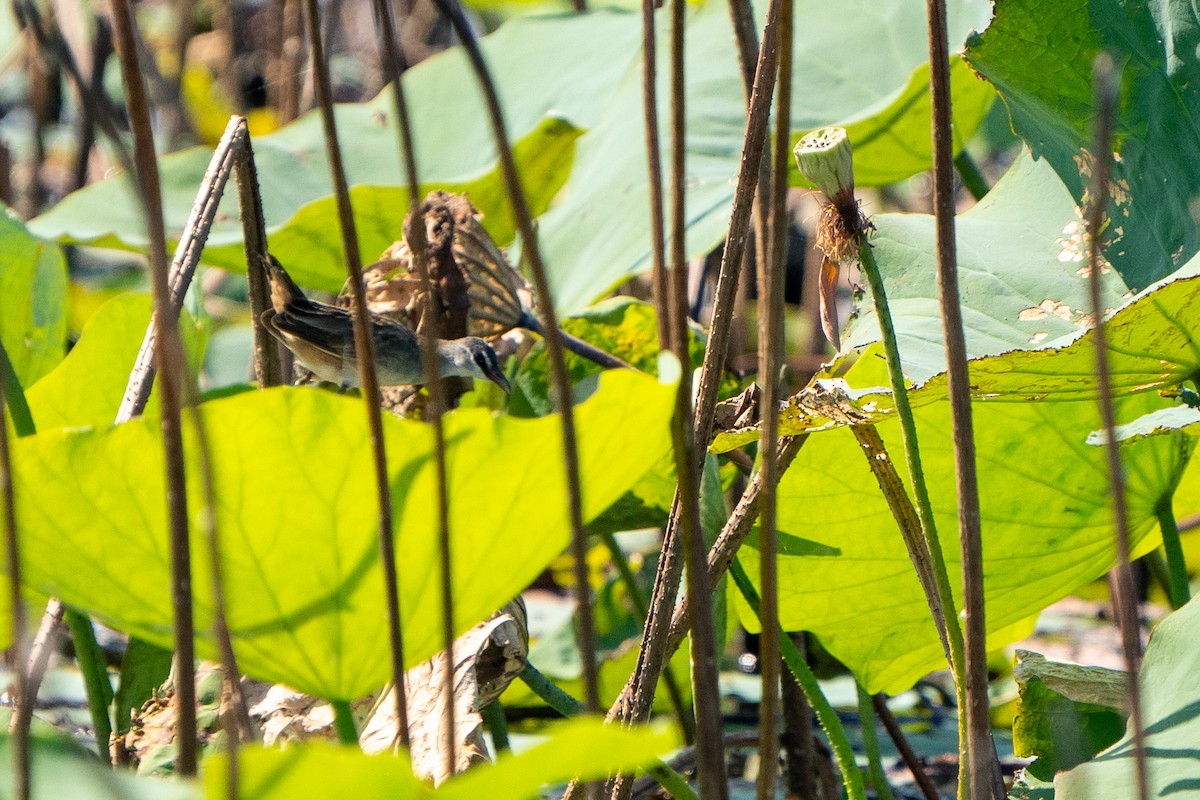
(548, 690)
(95, 677)
(971, 177)
(838, 742)
(1178, 588)
(14, 397)
(626, 572)
(493, 718)
(343, 722)
(912, 457)
(866, 718)
(675, 784)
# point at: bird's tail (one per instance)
(284, 290)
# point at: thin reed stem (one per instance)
(843, 753)
(907, 754)
(866, 720)
(633, 705)
(415, 235)
(771, 357)
(364, 349)
(710, 750)
(1106, 81)
(170, 363)
(560, 381)
(985, 777)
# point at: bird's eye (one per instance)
(481, 360)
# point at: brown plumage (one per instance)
(322, 338)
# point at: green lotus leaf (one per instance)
(298, 530)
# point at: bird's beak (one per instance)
(497, 377)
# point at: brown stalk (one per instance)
(6, 187)
(749, 177)
(183, 266)
(43, 645)
(269, 364)
(746, 40)
(230, 150)
(364, 346)
(654, 168)
(745, 37)
(732, 535)
(554, 346)
(21, 696)
(1107, 84)
(799, 745)
(985, 778)
(907, 755)
(898, 500)
(288, 74)
(633, 705)
(37, 74)
(770, 358)
(236, 718)
(710, 749)
(415, 235)
(170, 368)
(659, 272)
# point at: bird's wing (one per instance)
(323, 328)
(332, 329)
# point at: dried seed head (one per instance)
(826, 160)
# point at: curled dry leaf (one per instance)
(828, 296)
(486, 659)
(822, 405)
(486, 285)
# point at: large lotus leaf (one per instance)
(558, 76)
(1026, 307)
(1024, 300)
(1038, 54)
(1047, 527)
(1025, 304)
(1046, 522)
(87, 387)
(1171, 714)
(295, 513)
(584, 748)
(1021, 280)
(33, 295)
(553, 76)
(1152, 345)
(600, 232)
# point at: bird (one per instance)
(322, 338)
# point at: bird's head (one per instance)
(483, 362)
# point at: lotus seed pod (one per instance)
(826, 160)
